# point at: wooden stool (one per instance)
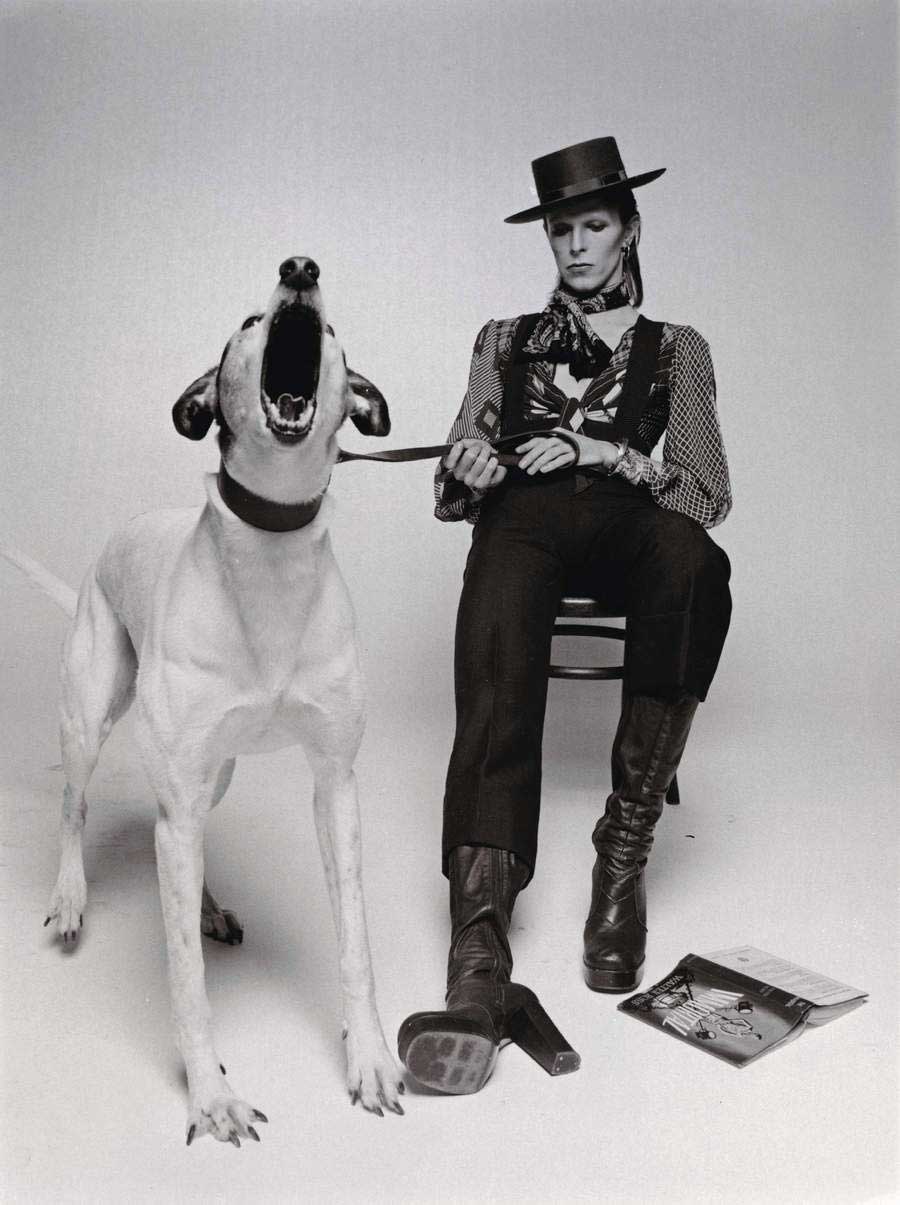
(582, 607)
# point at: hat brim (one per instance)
(538, 211)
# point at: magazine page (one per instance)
(796, 980)
(726, 1014)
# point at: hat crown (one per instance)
(581, 162)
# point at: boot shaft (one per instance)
(648, 745)
(484, 884)
(649, 742)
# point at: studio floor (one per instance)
(784, 840)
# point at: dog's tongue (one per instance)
(291, 408)
(289, 414)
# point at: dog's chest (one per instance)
(284, 617)
(260, 644)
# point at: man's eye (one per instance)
(597, 226)
(251, 321)
(556, 231)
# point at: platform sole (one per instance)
(612, 981)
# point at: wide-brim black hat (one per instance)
(576, 173)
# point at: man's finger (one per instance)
(453, 455)
(476, 469)
(531, 443)
(533, 451)
(556, 462)
(551, 456)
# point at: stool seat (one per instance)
(583, 606)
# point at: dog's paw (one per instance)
(66, 906)
(226, 1117)
(373, 1077)
(221, 925)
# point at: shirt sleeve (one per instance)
(693, 476)
(478, 418)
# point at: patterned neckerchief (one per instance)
(564, 336)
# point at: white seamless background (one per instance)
(161, 160)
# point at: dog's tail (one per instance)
(64, 596)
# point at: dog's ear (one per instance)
(195, 410)
(368, 409)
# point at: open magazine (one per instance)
(740, 1003)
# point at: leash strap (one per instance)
(439, 451)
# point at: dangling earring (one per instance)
(626, 275)
(628, 272)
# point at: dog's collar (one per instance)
(263, 512)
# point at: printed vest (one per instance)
(633, 401)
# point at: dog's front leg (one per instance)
(373, 1076)
(184, 800)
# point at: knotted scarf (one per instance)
(563, 334)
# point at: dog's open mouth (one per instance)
(290, 374)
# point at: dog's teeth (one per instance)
(286, 399)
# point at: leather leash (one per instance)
(439, 451)
(267, 515)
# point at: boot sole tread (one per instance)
(447, 1054)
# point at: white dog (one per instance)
(231, 628)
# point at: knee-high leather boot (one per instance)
(455, 1050)
(649, 742)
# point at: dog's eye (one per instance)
(251, 321)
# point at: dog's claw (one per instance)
(226, 1118)
(47, 921)
(401, 1087)
(222, 925)
(222, 1069)
(354, 1097)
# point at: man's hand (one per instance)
(474, 463)
(546, 453)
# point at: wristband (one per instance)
(622, 445)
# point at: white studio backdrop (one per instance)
(161, 159)
(164, 157)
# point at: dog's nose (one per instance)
(299, 271)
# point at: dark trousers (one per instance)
(532, 543)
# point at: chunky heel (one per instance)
(530, 1027)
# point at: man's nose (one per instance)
(577, 242)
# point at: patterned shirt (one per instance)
(693, 475)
